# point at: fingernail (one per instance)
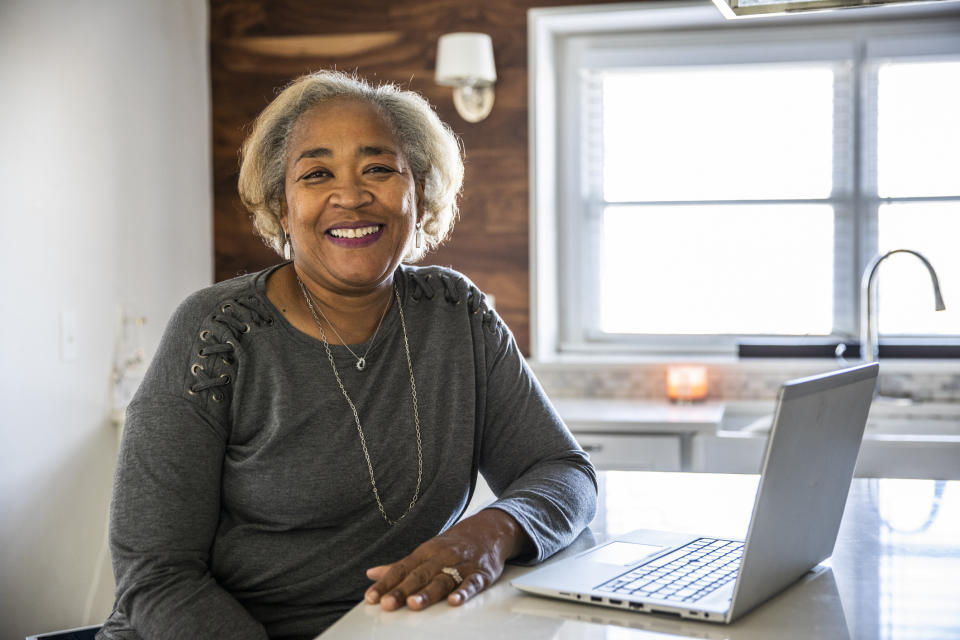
(457, 598)
(388, 601)
(371, 597)
(418, 599)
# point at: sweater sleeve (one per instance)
(163, 520)
(529, 458)
(166, 505)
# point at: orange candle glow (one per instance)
(686, 383)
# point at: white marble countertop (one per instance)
(895, 572)
(903, 439)
(614, 415)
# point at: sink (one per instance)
(888, 417)
(747, 417)
(902, 440)
(895, 417)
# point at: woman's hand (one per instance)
(476, 547)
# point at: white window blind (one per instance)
(732, 182)
(918, 182)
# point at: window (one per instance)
(699, 182)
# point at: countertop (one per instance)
(902, 439)
(895, 572)
(623, 415)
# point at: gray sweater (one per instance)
(242, 505)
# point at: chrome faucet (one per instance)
(869, 331)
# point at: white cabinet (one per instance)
(636, 435)
(632, 452)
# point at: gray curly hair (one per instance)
(430, 146)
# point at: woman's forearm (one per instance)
(170, 601)
(164, 513)
(514, 539)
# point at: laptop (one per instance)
(816, 586)
(807, 468)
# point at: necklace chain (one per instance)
(361, 360)
(353, 408)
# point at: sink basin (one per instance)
(893, 417)
(902, 440)
(747, 417)
(887, 418)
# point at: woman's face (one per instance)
(351, 200)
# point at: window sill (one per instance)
(828, 349)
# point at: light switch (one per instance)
(69, 350)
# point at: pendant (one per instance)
(361, 364)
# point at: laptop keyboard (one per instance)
(685, 575)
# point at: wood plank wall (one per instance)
(256, 46)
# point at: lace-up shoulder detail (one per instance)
(213, 365)
(429, 283)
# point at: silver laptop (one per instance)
(807, 468)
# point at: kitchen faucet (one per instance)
(869, 331)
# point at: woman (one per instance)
(318, 426)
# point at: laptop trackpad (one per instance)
(622, 553)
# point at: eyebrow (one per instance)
(371, 150)
(364, 151)
(316, 152)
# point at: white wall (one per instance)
(105, 203)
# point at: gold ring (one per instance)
(453, 573)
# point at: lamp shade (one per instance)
(465, 59)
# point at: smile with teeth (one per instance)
(355, 233)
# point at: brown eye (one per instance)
(317, 174)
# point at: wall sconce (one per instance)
(465, 62)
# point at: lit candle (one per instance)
(686, 383)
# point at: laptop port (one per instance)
(635, 605)
(595, 599)
(612, 601)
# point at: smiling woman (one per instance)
(309, 436)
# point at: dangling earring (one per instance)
(419, 235)
(286, 247)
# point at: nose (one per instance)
(350, 193)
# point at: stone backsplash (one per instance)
(737, 380)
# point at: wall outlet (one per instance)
(69, 351)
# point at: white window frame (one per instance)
(560, 40)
